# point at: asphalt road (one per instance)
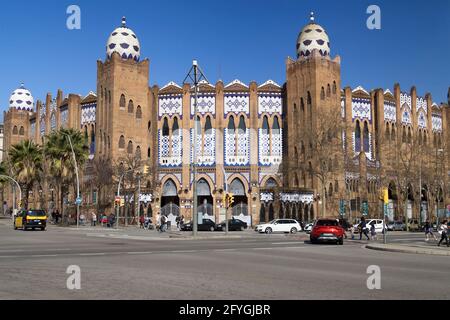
(114, 266)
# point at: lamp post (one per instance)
(118, 195)
(196, 75)
(438, 186)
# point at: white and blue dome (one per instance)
(313, 37)
(125, 42)
(21, 99)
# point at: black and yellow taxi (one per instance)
(30, 219)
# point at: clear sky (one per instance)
(243, 39)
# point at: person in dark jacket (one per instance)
(363, 229)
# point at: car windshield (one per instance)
(272, 222)
(327, 223)
(36, 213)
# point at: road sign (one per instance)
(79, 200)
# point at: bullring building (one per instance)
(251, 137)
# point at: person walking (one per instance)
(373, 232)
(363, 229)
(429, 231)
(158, 221)
(162, 228)
(94, 219)
(443, 230)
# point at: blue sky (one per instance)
(248, 40)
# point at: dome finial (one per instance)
(311, 16)
(22, 85)
(124, 22)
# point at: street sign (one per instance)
(79, 200)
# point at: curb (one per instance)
(409, 250)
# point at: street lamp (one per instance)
(78, 181)
(438, 185)
(20, 193)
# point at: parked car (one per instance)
(396, 226)
(327, 230)
(280, 225)
(33, 219)
(308, 227)
(233, 225)
(413, 225)
(206, 225)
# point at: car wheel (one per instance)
(294, 230)
(211, 229)
(43, 229)
(268, 230)
(313, 241)
(341, 241)
(242, 228)
(33, 229)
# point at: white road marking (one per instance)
(44, 255)
(299, 242)
(144, 252)
(225, 250)
(92, 254)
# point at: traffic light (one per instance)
(230, 199)
(116, 202)
(122, 202)
(146, 169)
(224, 199)
(386, 195)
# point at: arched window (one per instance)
(409, 134)
(302, 150)
(138, 152)
(130, 106)
(336, 186)
(208, 125)
(275, 126)
(138, 112)
(366, 144)
(322, 93)
(169, 189)
(130, 147)
(165, 128)
(175, 127)
(309, 100)
(121, 142)
(393, 135)
(149, 126)
(424, 138)
(265, 125)
(231, 126)
(237, 188)
(296, 154)
(330, 190)
(21, 131)
(242, 127)
(15, 130)
(148, 153)
(198, 125)
(328, 90)
(122, 102)
(334, 87)
(357, 137)
(271, 183)
(302, 109)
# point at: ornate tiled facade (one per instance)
(250, 138)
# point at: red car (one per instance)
(327, 230)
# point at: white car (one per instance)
(279, 225)
(378, 225)
(309, 227)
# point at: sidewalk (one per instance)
(443, 250)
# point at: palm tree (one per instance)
(26, 165)
(59, 155)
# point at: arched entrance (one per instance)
(205, 200)
(170, 202)
(240, 205)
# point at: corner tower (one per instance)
(313, 89)
(125, 103)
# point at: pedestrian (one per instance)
(82, 219)
(373, 232)
(158, 221)
(94, 219)
(352, 231)
(162, 227)
(57, 216)
(142, 222)
(429, 231)
(177, 220)
(363, 229)
(5, 208)
(53, 216)
(181, 221)
(443, 230)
